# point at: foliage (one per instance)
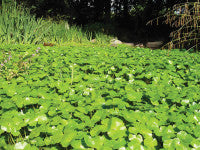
(85, 97)
(92, 11)
(18, 26)
(123, 14)
(184, 18)
(100, 28)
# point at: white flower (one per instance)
(141, 147)
(186, 101)
(155, 124)
(196, 146)
(72, 92)
(21, 113)
(118, 79)
(82, 147)
(44, 118)
(27, 98)
(131, 81)
(123, 128)
(3, 128)
(198, 111)
(86, 93)
(20, 145)
(27, 120)
(156, 79)
(132, 148)
(169, 131)
(96, 79)
(194, 103)
(112, 68)
(131, 137)
(130, 75)
(195, 117)
(122, 148)
(170, 62)
(169, 81)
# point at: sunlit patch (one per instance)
(3, 128)
(20, 145)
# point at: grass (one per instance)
(18, 26)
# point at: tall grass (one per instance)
(102, 38)
(17, 25)
(103, 33)
(185, 18)
(61, 32)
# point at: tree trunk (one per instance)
(107, 10)
(125, 8)
(98, 8)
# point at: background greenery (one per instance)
(128, 18)
(89, 19)
(17, 25)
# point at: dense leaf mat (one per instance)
(103, 98)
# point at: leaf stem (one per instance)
(11, 138)
(72, 75)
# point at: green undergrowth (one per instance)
(17, 25)
(103, 98)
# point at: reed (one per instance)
(17, 25)
(185, 18)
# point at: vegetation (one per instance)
(185, 17)
(18, 26)
(61, 91)
(124, 19)
(76, 97)
(127, 18)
